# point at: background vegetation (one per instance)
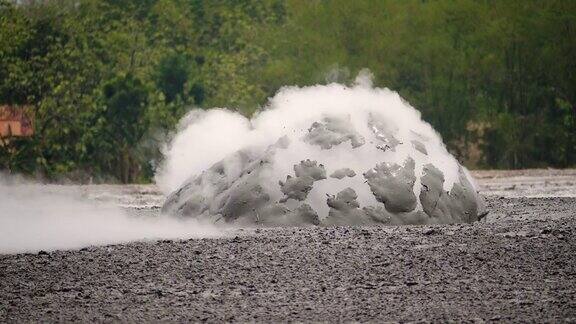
(108, 79)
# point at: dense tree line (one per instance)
(108, 80)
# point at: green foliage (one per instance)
(107, 79)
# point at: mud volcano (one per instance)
(322, 155)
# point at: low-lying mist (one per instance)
(36, 217)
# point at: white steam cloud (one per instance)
(206, 137)
(36, 217)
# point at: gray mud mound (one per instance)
(338, 171)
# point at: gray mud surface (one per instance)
(517, 265)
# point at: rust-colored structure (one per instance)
(16, 121)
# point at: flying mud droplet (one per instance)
(342, 173)
(333, 131)
(299, 186)
(343, 208)
(393, 185)
(418, 146)
(384, 133)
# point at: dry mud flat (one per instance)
(517, 266)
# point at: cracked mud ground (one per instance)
(519, 266)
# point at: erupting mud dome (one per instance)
(320, 155)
